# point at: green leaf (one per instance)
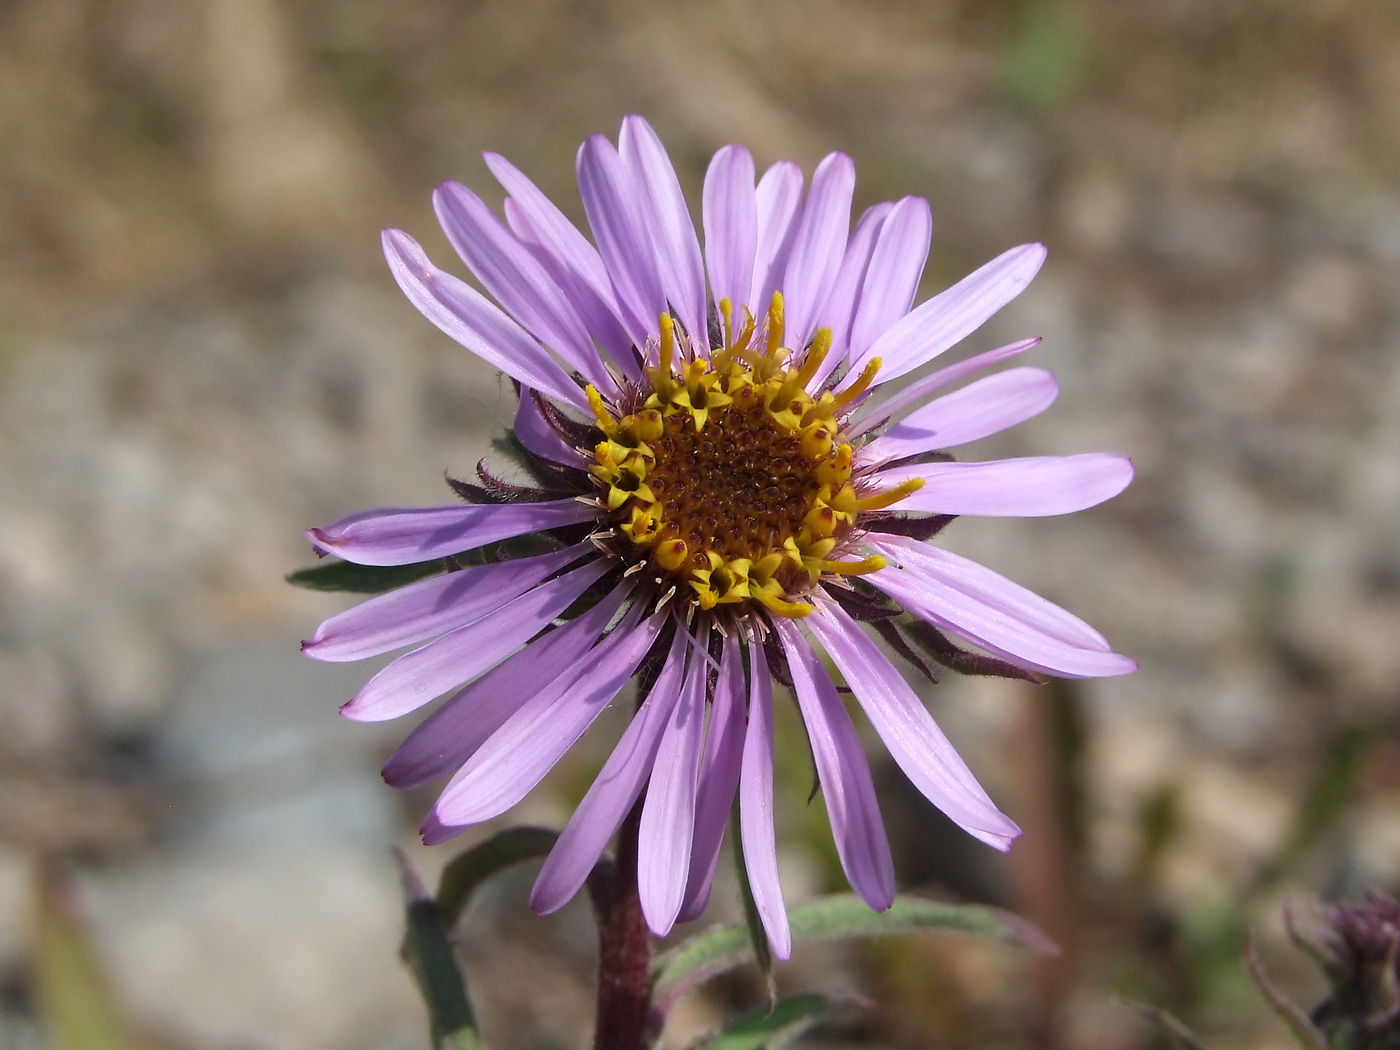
(428, 951)
(363, 579)
(830, 918)
(469, 870)
(778, 1026)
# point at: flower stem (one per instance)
(624, 1019)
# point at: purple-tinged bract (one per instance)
(719, 495)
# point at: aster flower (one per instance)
(720, 500)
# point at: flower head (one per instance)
(719, 496)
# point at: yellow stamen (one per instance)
(775, 323)
(726, 311)
(606, 423)
(859, 387)
(890, 497)
(855, 568)
(816, 354)
(792, 610)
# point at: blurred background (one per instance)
(202, 353)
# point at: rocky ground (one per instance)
(201, 354)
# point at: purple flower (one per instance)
(720, 496)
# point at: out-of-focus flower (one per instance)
(1361, 946)
(719, 496)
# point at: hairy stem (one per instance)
(625, 1019)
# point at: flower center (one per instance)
(732, 483)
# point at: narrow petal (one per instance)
(756, 808)
(518, 281)
(731, 225)
(597, 818)
(404, 535)
(990, 611)
(892, 278)
(468, 317)
(673, 232)
(539, 437)
(430, 607)
(1031, 487)
(452, 733)
(573, 262)
(818, 246)
(778, 197)
(459, 656)
(518, 755)
(843, 772)
(719, 778)
(870, 415)
(840, 306)
(988, 406)
(615, 214)
(914, 740)
(668, 815)
(952, 315)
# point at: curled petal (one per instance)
(896, 264)
(539, 437)
(756, 808)
(818, 246)
(468, 317)
(404, 535)
(839, 310)
(779, 195)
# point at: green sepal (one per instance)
(337, 575)
(776, 1026)
(469, 870)
(839, 916)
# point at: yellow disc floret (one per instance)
(731, 480)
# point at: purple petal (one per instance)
(719, 778)
(843, 772)
(1031, 487)
(952, 315)
(730, 209)
(600, 814)
(614, 212)
(840, 305)
(429, 607)
(778, 196)
(512, 273)
(539, 437)
(404, 535)
(896, 265)
(988, 406)
(417, 677)
(518, 755)
(571, 260)
(818, 246)
(914, 740)
(668, 814)
(756, 807)
(990, 611)
(673, 232)
(870, 416)
(468, 317)
(452, 733)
